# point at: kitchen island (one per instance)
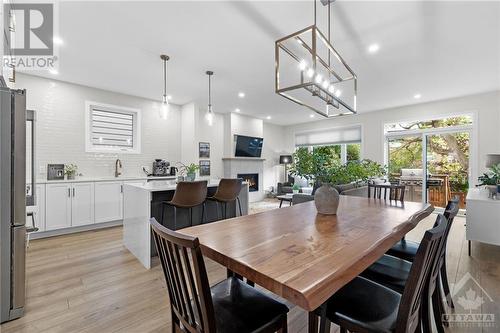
(144, 200)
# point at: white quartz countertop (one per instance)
(106, 179)
(477, 194)
(166, 185)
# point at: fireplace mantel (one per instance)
(246, 165)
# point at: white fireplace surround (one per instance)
(235, 165)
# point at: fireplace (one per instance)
(252, 179)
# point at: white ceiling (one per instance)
(437, 49)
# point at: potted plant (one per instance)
(491, 179)
(70, 170)
(295, 188)
(189, 171)
(327, 170)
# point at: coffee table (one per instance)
(285, 197)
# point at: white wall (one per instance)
(60, 136)
(274, 145)
(485, 107)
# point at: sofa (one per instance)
(286, 187)
(353, 189)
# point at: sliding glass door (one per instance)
(448, 171)
(431, 158)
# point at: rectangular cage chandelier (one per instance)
(310, 72)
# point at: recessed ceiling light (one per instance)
(311, 116)
(53, 71)
(268, 117)
(169, 97)
(237, 110)
(241, 94)
(373, 48)
(57, 41)
(417, 96)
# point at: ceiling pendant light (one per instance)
(210, 114)
(309, 71)
(165, 106)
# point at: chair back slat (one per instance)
(186, 279)
(409, 313)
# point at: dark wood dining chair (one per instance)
(228, 191)
(393, 273)
(407, 250)
(396, 192)
(187, 196)
(228, 307)
(364, 305)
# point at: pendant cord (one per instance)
(209, 92)
(165, 99)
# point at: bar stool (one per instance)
(187, 195)
(227, 191)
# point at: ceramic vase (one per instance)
(326, 199)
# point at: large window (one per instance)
(343, 143)
(112, 128)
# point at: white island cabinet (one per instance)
(144, 201)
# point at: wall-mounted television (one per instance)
(248, 146)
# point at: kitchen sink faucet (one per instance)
(118, 167)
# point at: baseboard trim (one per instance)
(72, 230)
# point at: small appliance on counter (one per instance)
(173, 171)
(55, 171)
(161, 168)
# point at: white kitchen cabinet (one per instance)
(57, 206)
(82, 204)
(108, 201)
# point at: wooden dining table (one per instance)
(303, 256)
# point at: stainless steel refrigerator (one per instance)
(13, 196)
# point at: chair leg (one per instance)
(446, 286)
(239, 205)
(436, 308)
(343, 330)
(175, 218)
(284, 325)
(312, 323)
(202, 212)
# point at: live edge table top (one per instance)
(303, 256)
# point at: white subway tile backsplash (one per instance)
(60, 127)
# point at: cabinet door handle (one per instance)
(69, 192)
(73, 191)
(121, 188)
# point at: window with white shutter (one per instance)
(112, 128)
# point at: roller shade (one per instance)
(111, 127)
(331, 136)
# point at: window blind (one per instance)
(330, 136)
(111, 127)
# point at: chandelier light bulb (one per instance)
(331, 89)
(338, 93)
(318, 78)
(310, 72)
(302, 65)
(326, 84)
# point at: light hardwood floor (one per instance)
(88, 282)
